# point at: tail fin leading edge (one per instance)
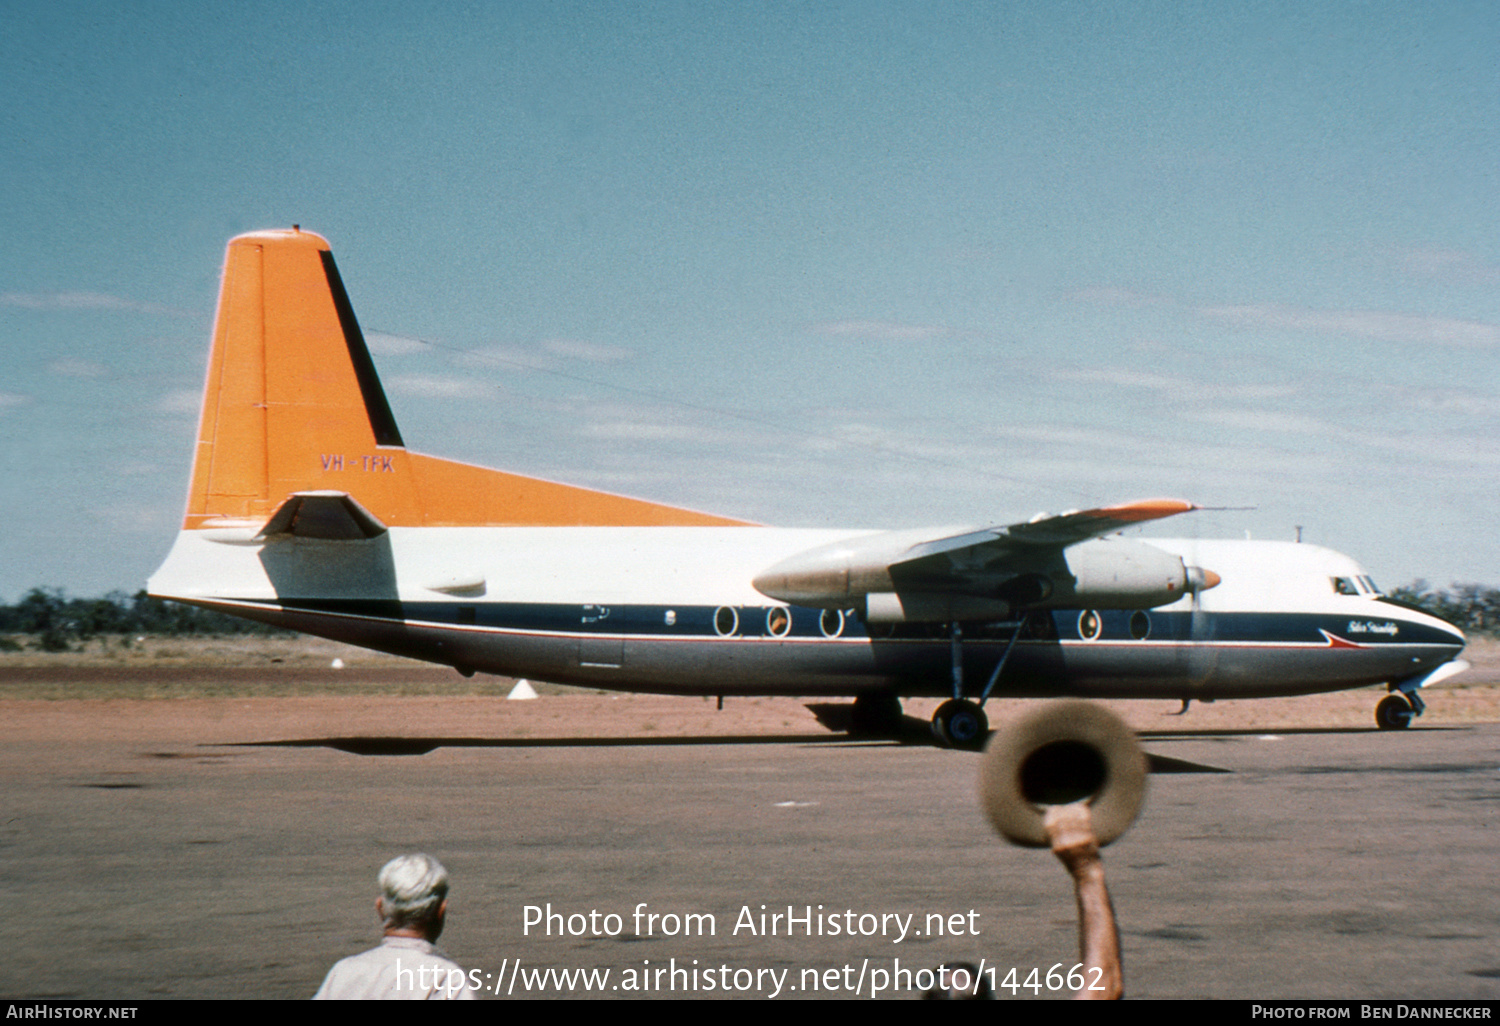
(293, 404)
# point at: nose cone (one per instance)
(1423, 626)
(1441, 632)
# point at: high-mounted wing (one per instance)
(1062, 529)
(1048, 561)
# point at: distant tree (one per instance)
(43, 612)
(1469, 607)
(57, 621)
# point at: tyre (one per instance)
(1394, 713)
(959, 723)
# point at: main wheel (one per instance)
(875, 716)
(1394, 713)
(959, 723)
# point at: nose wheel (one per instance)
(959, 723)
(1394, 713)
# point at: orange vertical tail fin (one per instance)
(293, 404)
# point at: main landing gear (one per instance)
(959, 722)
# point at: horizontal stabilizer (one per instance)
(329, 516)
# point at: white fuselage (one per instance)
(673, 609)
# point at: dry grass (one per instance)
(235, 667)
(231, 650)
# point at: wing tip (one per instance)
(1146, 509)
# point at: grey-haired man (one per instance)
(412, 905)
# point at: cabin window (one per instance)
(1089, 625)
(1140, 625)
(1040, 627)
(778, 621)
(726, 621)
(669, 617)
(831, 623)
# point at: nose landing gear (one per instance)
(1394, 712)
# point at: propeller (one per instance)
(1201, 656)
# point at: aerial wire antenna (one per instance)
(716, 411)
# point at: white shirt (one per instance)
(401, 968)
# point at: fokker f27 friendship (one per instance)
(307, 511)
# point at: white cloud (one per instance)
(181, 402)
(432, 386)
(1380, 325)
(1263, 420)
(880, 331)
(1110, 295)
(9, 399)
(383, 344)
(1074, 438)
(137, 517)
(512, 358)
(75, 368)
(1126, 379)
(619, 430)
(592, 352)
(630, 422)
(1451, 264)
(1460, 402)
(1185, 389)
(83, 301)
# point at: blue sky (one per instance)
(820, 265)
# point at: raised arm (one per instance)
(1071, 830)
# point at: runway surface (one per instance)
(181, 849)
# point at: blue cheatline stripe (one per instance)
(699, 622)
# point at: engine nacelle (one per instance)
(840, 575)
(1114, 573)
(875, 575)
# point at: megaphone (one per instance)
(1061, 753)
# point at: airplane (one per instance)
(307, 511)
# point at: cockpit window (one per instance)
(1361, 585)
